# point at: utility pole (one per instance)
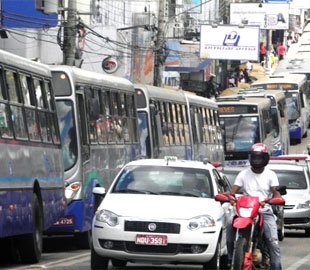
(70, 35)
(159, 52)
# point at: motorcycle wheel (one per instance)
(240, 249)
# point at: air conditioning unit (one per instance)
(48, 6)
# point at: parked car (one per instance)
(292, 172)
(161, 211)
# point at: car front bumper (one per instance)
(182, 247)
(297, 218)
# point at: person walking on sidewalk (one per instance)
(281, 51)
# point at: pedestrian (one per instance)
(262, 53)
(246, 76)
(281, 51)
(210, 87)
(289, 42)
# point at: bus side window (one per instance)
(5, 130)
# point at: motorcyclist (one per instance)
(262, 182)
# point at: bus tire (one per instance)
(30, 245)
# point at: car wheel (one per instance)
(307, 232)
(118, 263)
(83, 240)
(215, 261)
(281, 232)
(305, 134)
(97, 262)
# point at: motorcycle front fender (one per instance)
(242, 222)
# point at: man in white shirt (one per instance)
(261, 182)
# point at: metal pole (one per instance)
(70, 32)
(158, 53)
(268, 68)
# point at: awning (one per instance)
(198, 68)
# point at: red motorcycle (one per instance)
(248, 223)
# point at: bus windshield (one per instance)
(67, 132)
(240, 132)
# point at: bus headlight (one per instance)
(72, 190)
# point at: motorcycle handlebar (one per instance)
(229, 198)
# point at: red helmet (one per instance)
(259, 157)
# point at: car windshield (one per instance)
(159, 180)
(292, 179)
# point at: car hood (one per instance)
(294, 196)
(162, 207)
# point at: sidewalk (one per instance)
(260, 72)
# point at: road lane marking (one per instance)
(81, 257)
(299, 263)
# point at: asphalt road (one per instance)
(61, 253)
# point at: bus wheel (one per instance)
(30, 245)
(83, 240)
(305, 134)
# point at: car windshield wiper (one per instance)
(189, 194)
(171, 193)
(138, 191)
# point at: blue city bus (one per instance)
(32, 195)
(178, 123)
(99, 135)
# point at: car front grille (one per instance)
(131, 247)
(161, 227)
(288, 207)
(289, 221)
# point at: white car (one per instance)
(161, 211)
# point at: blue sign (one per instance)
(22, 14)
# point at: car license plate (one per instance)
(152, 240)
(65, 221)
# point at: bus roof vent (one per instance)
(230, 98)
(296, 61)
(293, 67)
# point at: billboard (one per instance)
(268, 16)
(22, 14)
(229, 42)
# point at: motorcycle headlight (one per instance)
(245, 212)
(306, 204)
(107, 217)
(201, 222)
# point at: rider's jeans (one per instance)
(270, 237)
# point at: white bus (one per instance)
(279, 113)
(295, 86)
(244, 122)
(31, 171)
(99, 135)
(178, 123)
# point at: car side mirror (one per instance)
(282, 190)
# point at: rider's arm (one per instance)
(234, 190)
(275, 193)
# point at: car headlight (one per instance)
(107, 217)
(201, 222)
(306, 204)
